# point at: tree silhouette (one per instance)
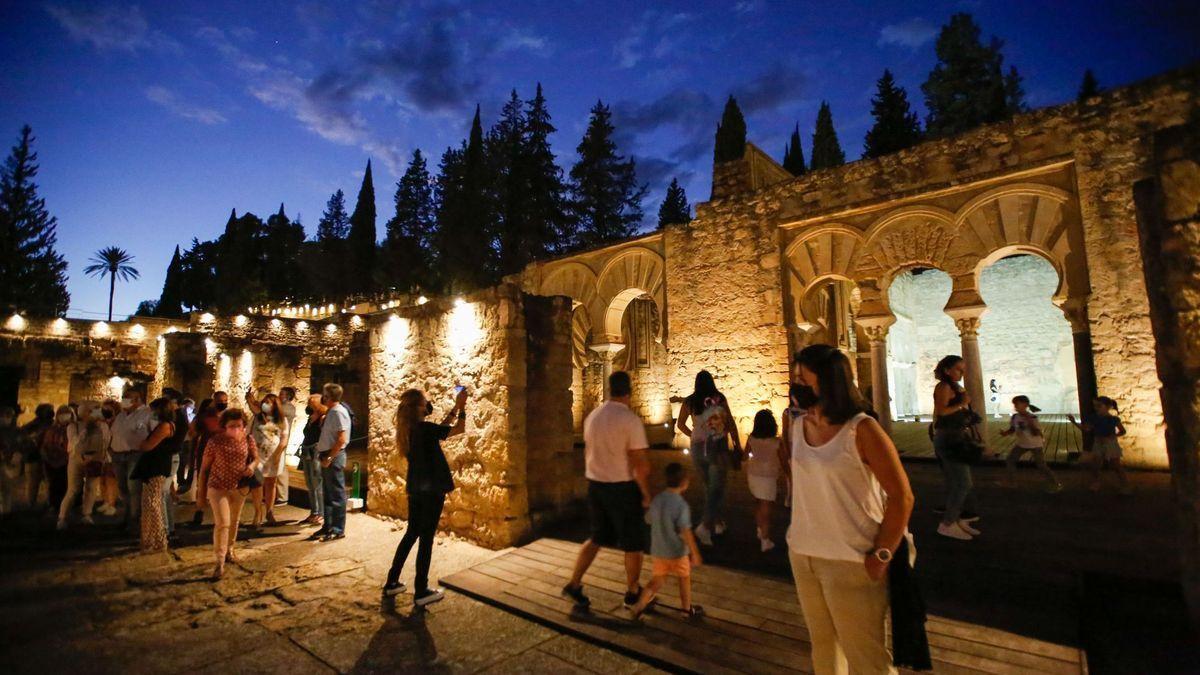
(674, 208)
(1089, 87)
(896, 126)
(731, 134)
(826, 151)
(114, 263)
(793, 154)
(33, 276)
(967, 87)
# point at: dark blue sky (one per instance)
(155, 119)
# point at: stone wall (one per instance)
(483, 344)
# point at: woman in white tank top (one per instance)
(851, 502)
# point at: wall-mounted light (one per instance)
(302, 327)
(137, 331)
(395, 334)
(207, 317)
(275, 324)
(100, 329)
(240, 320)
(422, 300)
(331, 328)
(16, 322)
(116, 386)
(59, 326)
(356, 321)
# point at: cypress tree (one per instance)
(793, 154)
(896, 126)
(280, 248)
(546, 204)
(408, 244)
(238, 268)
(967, 88)
(674, 208)
(1089, 87)
(360, 242)
(826, 151)
(606, 198)
(33, 276)
(516, 241)
(329, 276)
(169, 301)
(731, 134)
(198, 280)
(465, 235)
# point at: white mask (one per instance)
(266, 408)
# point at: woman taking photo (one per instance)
(153, 469)
(428, 482)
(850, 507)
(270, 433)
(712, 425)
(952, 420)
(229, 459)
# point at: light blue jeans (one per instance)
(959, 495)
(312, 479)
(712, 470)
(130, 489)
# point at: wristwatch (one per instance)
(881, 554)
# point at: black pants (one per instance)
(424, 510)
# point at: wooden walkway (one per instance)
(753, 623)
(1063, 440)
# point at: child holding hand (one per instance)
(673, 547)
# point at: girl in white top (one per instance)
(762, 472)
(1024, 425)
(269, 428)
(851, 502)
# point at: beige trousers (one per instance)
(846, 614)
(227, 512)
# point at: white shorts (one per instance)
(274, 470)
(765, 488)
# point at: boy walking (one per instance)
(673, 548)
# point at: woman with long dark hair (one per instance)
(711, 427)
(153, 468)
(952, 417)
(851, 502)
(428, 482)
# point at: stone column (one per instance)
(967, 320)
(876, 328)
(1075, 310)
(1168, 215)
(608, 352)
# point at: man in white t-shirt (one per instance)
(130, 427)
(615, 447)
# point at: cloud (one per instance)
(167, 99)
(655, 35)
(911, 33)
(520, 40)
(111, 28)
(748, 6)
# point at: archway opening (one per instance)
(922, 334)
(645, 359)
(828, 310)
(1025, 341)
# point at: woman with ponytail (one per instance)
(428, 481)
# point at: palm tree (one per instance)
(114, 262)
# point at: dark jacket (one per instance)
(910, 645)
(428, 471)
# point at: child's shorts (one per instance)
(1106, 447)
(672, 567)
(763, 487)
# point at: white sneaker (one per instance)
(968, 529)
(954, 531)
(62, 525)
(719, 528)
(767, 544)
(703, 535)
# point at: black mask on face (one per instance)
(308, 410)
(428, 408)
(221, 406)
(108, 414)
(805, 396)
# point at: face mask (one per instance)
(428, 408)
(805, 396)
(308, 410)
(108, 414)
(63, 418)
(222, 406)
(266, 408)
(236, 432)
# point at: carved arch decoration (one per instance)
(581, 335)
(574, 280)
(825, 253)
(630, 274)
(1024, 218)
(911, 236)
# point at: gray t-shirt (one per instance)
(668, 514)
(336, 421)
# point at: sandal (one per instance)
(218, 572)
(694, 612)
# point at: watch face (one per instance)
(884, 555)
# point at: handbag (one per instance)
(964, 444)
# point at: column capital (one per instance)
(968, 327)
(1075, 309)
(607, 349)
(876, 327)
(967, 318)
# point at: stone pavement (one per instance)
(85, 601)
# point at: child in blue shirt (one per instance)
(1105, 428)
(673, 548)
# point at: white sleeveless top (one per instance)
(837, 503)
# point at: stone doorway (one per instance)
(10, 385)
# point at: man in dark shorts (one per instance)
(618, 495)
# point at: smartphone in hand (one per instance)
(459, 389)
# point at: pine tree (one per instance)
(967, 87)
(168, 305)
(408, 244)
(674, 209)
(731, 134)
(793, 154)
(508, 167)
(896, 126)
(334, 223)
(465, 233)
(237, 268)
(826, 151)
(1089, 87)
(606, 198)
(33, 276)
(279, 251)
(546, 203)
(360, 242)
(330, 280)
(198, 279)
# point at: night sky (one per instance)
(154, 120)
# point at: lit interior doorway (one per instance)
(922, 334)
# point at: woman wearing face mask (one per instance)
(153, 469)
(108, 472)
(311, 463)
(428, 482)
(56, 452)
(229, 457)
(269, 429)
(88, 442)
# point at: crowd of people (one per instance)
(141, 459)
